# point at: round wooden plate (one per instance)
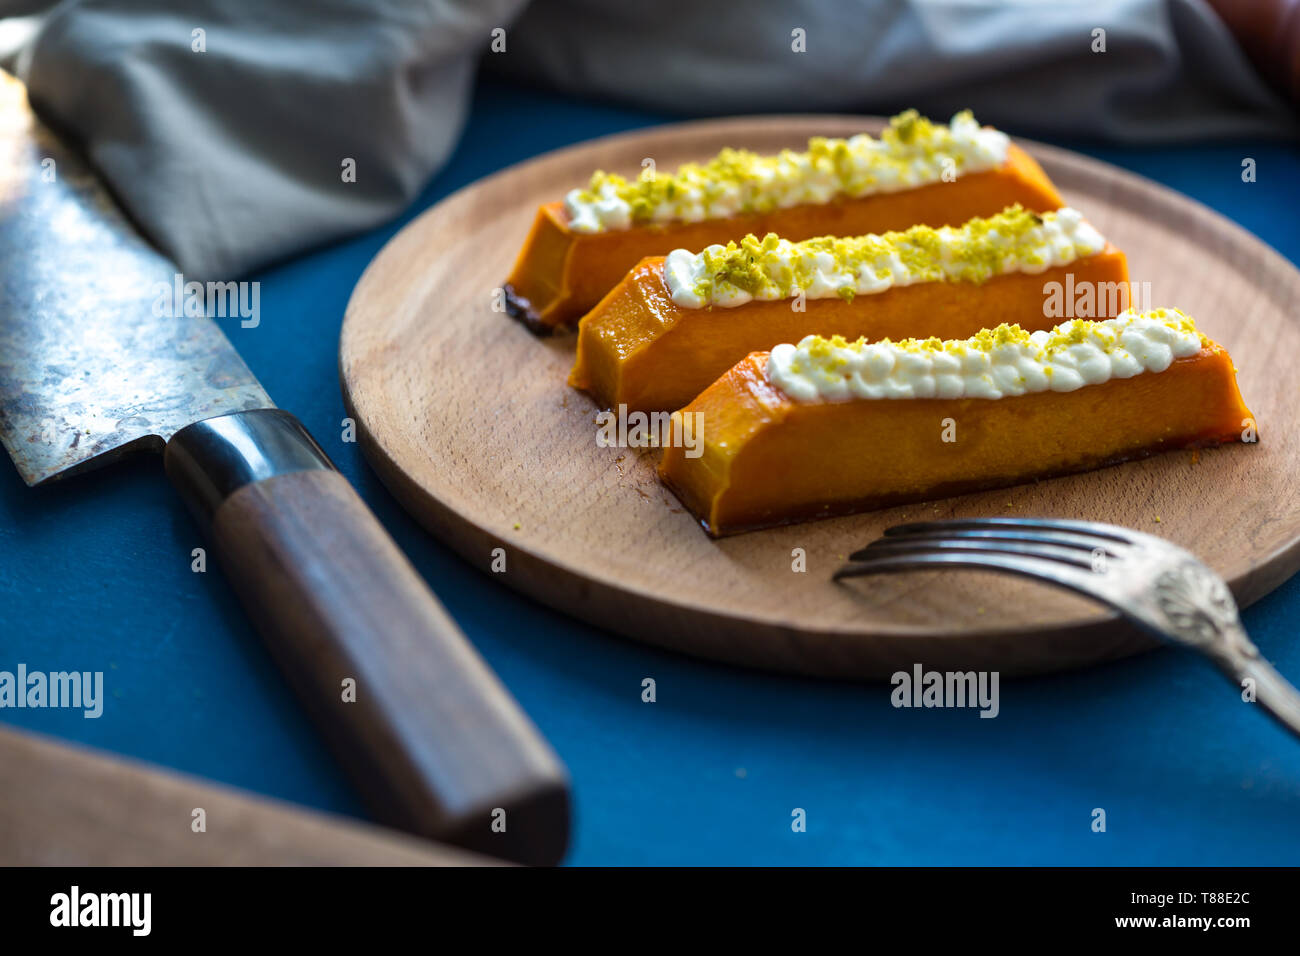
(467, 418)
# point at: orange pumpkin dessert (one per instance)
(830, 427)
(674, 324)
(917, 172)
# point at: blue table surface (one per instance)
(95, 575)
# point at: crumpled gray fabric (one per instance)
(1170, 71)
(232, 158)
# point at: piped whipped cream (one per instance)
(997, 363)
(912, 152)
(771, 268)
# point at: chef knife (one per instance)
(92, 368)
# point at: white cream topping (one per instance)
(911, 152)
(826, 268)
(997, 363)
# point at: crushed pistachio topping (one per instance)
(911, 152)
(771, 268)
(996, 363)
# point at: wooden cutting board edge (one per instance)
(70, 805)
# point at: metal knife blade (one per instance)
(88, 368)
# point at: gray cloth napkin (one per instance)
(235, 155)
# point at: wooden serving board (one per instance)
(467, 418)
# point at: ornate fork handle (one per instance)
(1272, 691)
(1198, 610)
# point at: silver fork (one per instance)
(1156, 585)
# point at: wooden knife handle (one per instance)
(430, 736)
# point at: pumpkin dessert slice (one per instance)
(674, 324)
(830, 427)
(916, 172)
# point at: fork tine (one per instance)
(1096, 528)
(1064, 539)
(885, 547)
(1023, 565)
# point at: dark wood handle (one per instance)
(432, 738)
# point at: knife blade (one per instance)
(96, 362)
